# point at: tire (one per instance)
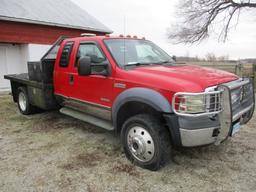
(23, 102)
(146, 141)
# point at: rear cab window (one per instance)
(65, 55)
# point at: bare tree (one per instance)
(223, 58)
(200, 17)
(210, 57)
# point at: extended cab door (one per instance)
(62, 77)
(94, 90)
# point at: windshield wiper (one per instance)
(142, 64)
(164, 62)
(137, 64)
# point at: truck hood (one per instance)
(186, 77)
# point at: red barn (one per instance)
(29, 27)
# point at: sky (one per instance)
(152, 18)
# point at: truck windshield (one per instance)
(129, 52)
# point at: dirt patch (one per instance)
(85, 160)
(126, 168)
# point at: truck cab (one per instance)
(133, 87)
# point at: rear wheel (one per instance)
(146, 141)
(23, 102)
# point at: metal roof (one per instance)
(61, 13)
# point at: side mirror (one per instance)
(84, 66)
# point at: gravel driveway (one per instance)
(52, 152)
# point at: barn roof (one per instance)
(61, 13)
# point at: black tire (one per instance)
(159, 135)
(26, 108)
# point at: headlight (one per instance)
(191, 104)
(207, 103)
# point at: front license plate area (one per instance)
(236, 128)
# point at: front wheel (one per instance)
(146, 141)
(23, 102)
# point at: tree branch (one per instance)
(199, 16)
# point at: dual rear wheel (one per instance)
(23, 102)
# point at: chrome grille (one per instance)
(242, 96)
(236, 97)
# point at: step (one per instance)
(87, 118)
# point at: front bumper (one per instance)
(213, 129)
(197, 137)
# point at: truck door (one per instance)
(62, 77)
(95, 89)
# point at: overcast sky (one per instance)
(151, 19)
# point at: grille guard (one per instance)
(218, 90)
(225, 114)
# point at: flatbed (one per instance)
(40, 93)
(24, 79)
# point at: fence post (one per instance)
(239, 69)
(254, 74)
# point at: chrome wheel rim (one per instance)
(140, 144)
(22, 101)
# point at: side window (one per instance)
(90, 50)
(65, 55)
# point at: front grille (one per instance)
(236, 97)
(242, 96)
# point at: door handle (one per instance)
(71, 79)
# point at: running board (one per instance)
(87, 118)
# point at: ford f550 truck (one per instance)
(132, 86)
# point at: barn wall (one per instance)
(17, 32)
(36, 51)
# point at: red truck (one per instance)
(133, 87)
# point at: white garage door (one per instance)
(13, 59)
(4, 84)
